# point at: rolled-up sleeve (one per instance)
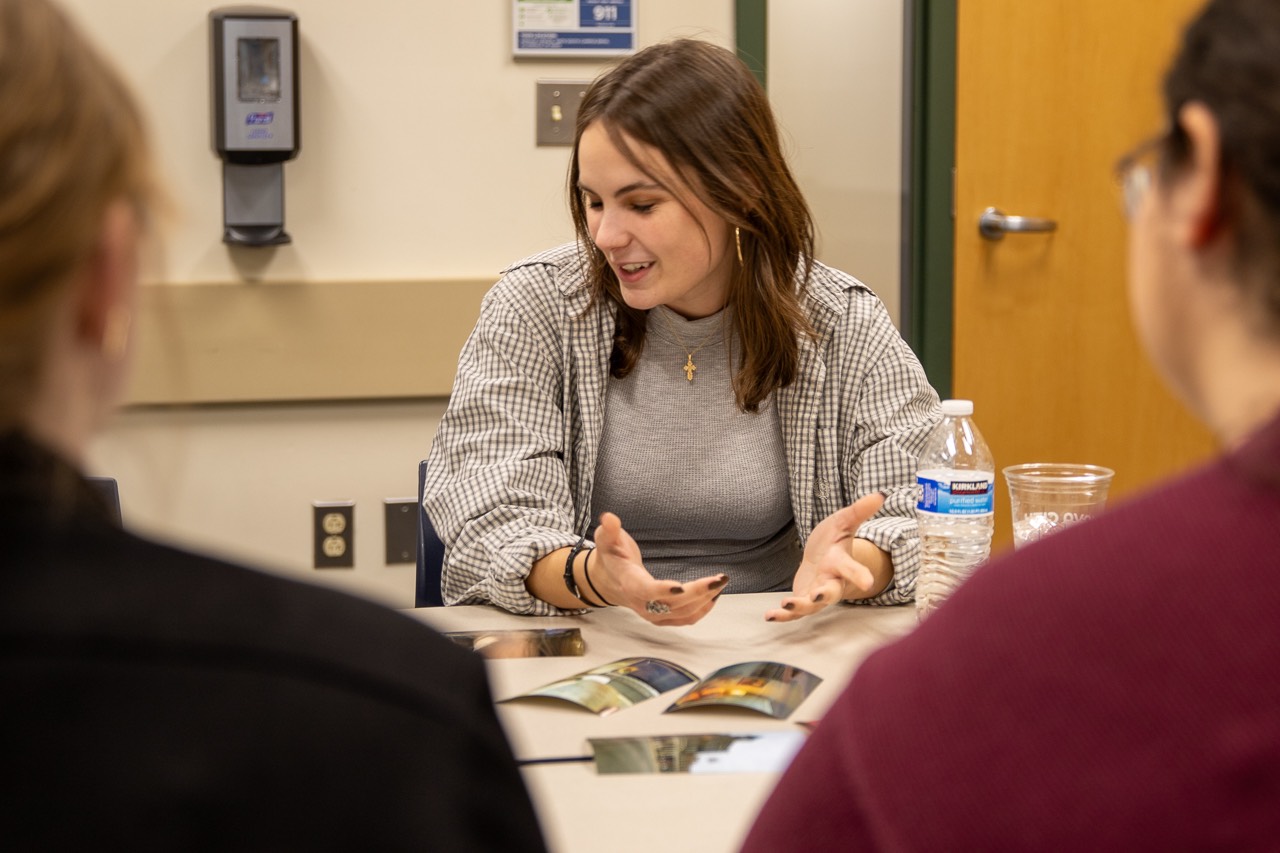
(886, 417)
(497, 489)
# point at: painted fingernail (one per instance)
(677, 590)
(817, 599)
(790, 605)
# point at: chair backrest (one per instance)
(430, 553)
(110, 492)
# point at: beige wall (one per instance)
(835, 79)
(417, 134)
(418, 164)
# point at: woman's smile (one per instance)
(665, 245)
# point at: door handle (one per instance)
(993, 224)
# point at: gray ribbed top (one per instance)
(701, 486)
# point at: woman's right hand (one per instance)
(618, 573)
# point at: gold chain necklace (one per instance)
(689, 366)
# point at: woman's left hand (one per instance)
(829, 572)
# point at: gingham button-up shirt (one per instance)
(512, 466)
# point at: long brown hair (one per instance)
(1229, 60)
(700, 106)
(71, 144)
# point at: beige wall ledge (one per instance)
(266, 342)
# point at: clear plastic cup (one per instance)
(1048, 496)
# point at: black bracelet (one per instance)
(569, 583)
(586, 573)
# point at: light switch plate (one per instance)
(557, 110)
(401, 522)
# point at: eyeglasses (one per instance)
(1135, 173)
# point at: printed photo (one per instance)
(616, 685)
(775, 689)
(764, 752)
(522, 643)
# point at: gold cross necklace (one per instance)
(689, 366)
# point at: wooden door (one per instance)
(1049, 94)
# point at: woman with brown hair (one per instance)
(686, 365)
(152, 697)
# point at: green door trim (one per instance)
(929, 129)
(928, 215)
(750, 32)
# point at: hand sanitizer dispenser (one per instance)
(254, 56)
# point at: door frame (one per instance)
(928, 207)
(751, 36)
(928, 168)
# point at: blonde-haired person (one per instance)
(1117, 686)
(151, 697)
(686, 367)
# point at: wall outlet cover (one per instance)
(334, 527)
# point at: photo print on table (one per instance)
(775, 689)
(760, 752)
(616, 685)
(767, 687)
(522, 642)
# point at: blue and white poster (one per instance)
(567, 28)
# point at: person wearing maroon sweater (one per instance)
(1115, 686)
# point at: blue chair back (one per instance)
(430, 553)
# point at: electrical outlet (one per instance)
(401, 521)
(335, 534)
(557, 110)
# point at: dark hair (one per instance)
(1229, 61)
(700, 106)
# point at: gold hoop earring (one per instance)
(737, 239)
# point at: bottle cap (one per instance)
(957, 408)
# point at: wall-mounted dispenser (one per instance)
(254, 57)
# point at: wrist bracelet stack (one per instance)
(571, 584)
(586, 573)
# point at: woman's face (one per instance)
(665, 246)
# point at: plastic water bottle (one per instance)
(956, 511)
